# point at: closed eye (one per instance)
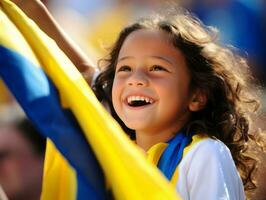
(158, 68)
(124, 68)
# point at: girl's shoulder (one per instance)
(207, 149)
(209, 155)
(207, 171)
(210, 158)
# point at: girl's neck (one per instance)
(146, 140)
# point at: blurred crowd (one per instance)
(94, 25)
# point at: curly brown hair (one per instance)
(215, 69)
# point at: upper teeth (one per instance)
(139, 98)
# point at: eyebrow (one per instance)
(157, 57)
(163, 58)
(125, 57)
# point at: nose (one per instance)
(138, 78)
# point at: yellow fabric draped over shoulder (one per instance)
(125, 167)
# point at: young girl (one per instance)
(183, 98)
(166, 80)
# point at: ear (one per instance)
(198, 100)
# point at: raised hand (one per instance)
(39, 13)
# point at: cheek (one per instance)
(175, 92)
(10, 173)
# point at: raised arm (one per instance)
(37, 11)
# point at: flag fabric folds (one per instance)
(95, 147)
(39, 98)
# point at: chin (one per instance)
(136, 126)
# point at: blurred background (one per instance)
(94, 25)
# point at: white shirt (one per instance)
(208, 172)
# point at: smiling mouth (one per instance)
(138, 101)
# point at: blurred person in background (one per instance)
(21, 160)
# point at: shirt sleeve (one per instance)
(208, 172)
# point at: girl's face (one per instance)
(151, 85)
